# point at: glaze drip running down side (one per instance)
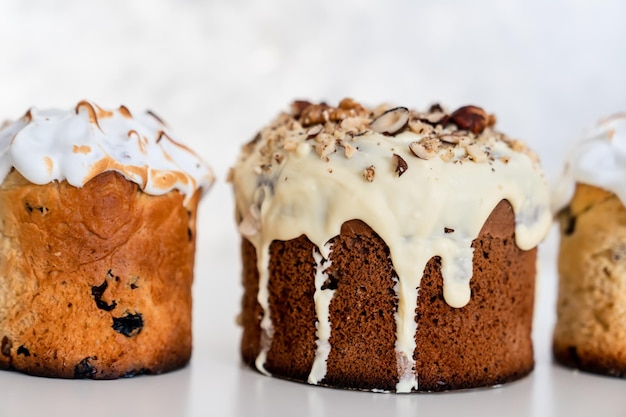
(425, 182)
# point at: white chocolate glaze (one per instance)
(293, 180)
(78, 144)
(598, 159)
(322, 298)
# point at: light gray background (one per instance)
(217, 71)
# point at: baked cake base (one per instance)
(590, 333)
(485, 343)
(95, 282)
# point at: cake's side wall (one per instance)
(488, 341)
(363, 327)
(106, 272)
(590, 333)
(291, 289)
(484, 343)
(251, 311)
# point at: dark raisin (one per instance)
(84, 368)
(5, 346)
(129, 324)
(40, 209)
(448, 230)
(97, 292)
(23, 351)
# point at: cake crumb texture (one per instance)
(485, 343)
(95, 282)
(591, 312)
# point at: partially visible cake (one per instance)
(590, 332)
(388, 249)
(97, 242)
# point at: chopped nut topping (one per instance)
(314, 131)
(418, 126)
(298, 106)
(448, 155)
(349, 149)
(353, 123)
(369, 173)
(427, 148)
(314, 114)
(278, 158)
(391, 121)
(323, 150)
(435, 118)
(454, 139)
(436, 108)
(322, 113)
(290, 145)
(471, 118)
(464, 136)
(401, 165)
(448, 230)
(477, 153)
(349, 104)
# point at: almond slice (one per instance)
(401, 165)
(477, 153)
(314, 131)
(391, 121)
(424, 149)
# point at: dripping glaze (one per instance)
(424, 184)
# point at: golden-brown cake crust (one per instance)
(487, 342)
(95, 282)
(590, 333)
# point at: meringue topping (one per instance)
(78, 144)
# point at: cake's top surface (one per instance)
(464, 135)
(78, 144)
(425, 182)
(598, 159)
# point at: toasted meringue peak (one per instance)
(78, 144)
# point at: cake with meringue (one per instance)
(388, 249)
(97, 242)
(590, 333)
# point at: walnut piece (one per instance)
(312, 114)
